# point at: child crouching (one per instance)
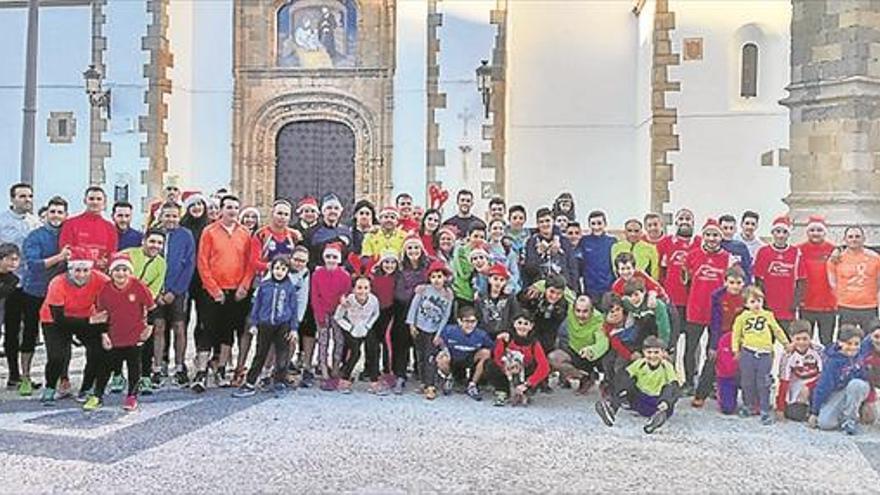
(519, 365)
(649, 385)
(798, 373)
(274, 313)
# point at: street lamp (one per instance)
(484, 84)
(98, 97)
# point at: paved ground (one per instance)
(312, 441)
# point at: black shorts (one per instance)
(172, 313)
(308, 328)
(580, 363)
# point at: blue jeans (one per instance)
(755, 379)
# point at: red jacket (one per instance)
(533, 355)
(92, 233)
(619, 347)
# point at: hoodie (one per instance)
(839, 369)
(575, 335)
(275, 303)
(180, 260)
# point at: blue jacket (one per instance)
(837, 372)
(128, 238)
(39, 245)
(596, 270)
(180, 259)
(275, 303)
(739, 251)
(462, 346)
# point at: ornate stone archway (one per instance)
(255, 177)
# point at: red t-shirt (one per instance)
(650, 285)
(706, 271)
(731, 306)
(673, 250)
(92, 234)
(779, 270)
(78, 302)
(128, 311)
(818, 295)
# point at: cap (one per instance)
(499, 270)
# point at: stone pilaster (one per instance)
(99, 150)
(834, 104)
(154, 148)
(497, 101)
(663, 118)
(434, 156)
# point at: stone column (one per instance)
(834, 102)
(99, 149)
(155, 147)
(664, 138)
(435, 156)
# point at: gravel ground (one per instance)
(311, 441)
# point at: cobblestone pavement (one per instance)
(311, 441)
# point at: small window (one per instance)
(61, 127)
(749, 84)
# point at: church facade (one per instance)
(639, 106)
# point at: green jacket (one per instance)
(462, 272)
(149, 271)
(645, 253)
(660, 316)
(576, 335)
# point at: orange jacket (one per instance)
(225, 258)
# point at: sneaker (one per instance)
(500, 399)
(280, 388)
(606, 412)
(474, 392)
(378, 388)
(156, 378)
(688, 391)
(766, 419)
(145, 385)
(25, 388)
(246, 390)
(93, 403)
(264, 383)
(850, 427)
(308, 379)
(430, 392)
(117, 383)
(181, 378)
(239, 378)
(585, 386)
(130, 403)
(48, 396)
(200, 382)
(83, 396)
(697, 402)
(65, 390)
(329, 384)
(447, 383)
(655, 422)
(344, 386)
(399, 385)
(744, 412)
(222, 379)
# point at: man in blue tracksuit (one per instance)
(597, 274)
(737, 249)
(171, 305)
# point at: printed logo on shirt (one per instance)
(709, 273)
(780, 269)
(860, 278)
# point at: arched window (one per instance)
(748, 87)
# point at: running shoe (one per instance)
(65, 390)
(246, 390)
(222, 380)
(430, 392)
(25, 388)
(83, 396)
(851, 427)
(500, 399)
(181, 378)
(446, 383)
(93, 403)
(344, 386)
(156, 378)
(606, 412)
(474, 392)
(766, 419)
(656, 421)
(117, 383)
(200, 382)
(130, 403)
(329, 384)
(48, 397)
(378, 388)
(145, 386)
(399, 385)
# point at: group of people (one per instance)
(454, 304)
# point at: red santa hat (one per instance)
(449, 229)
(333, 247)
(481, 248)
(499, 270)
(781, 222)
(711, 224)
(438, 266)
(192, 197)
(389, 210)
(121, 259)
(80, 258)
(413, 239)
(817, 221)
(307, 202)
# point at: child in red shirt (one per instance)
(727, 304)
(125, 301)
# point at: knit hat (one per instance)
(333, 247)
(438, 266)
(781, 222)
(307, 202)
(480, 248)
(121, 259)
(330, 199)
(411, 240)
(389, 210)
(80, 258)
(499, 270)
(191, 198)
(817, 221)
(711, 224)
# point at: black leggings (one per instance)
(401, 339)
(115, 357)
(352, 354)
(32, 306)
(14, 309)
(375, 344)
(58, 342)
(269, 336)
